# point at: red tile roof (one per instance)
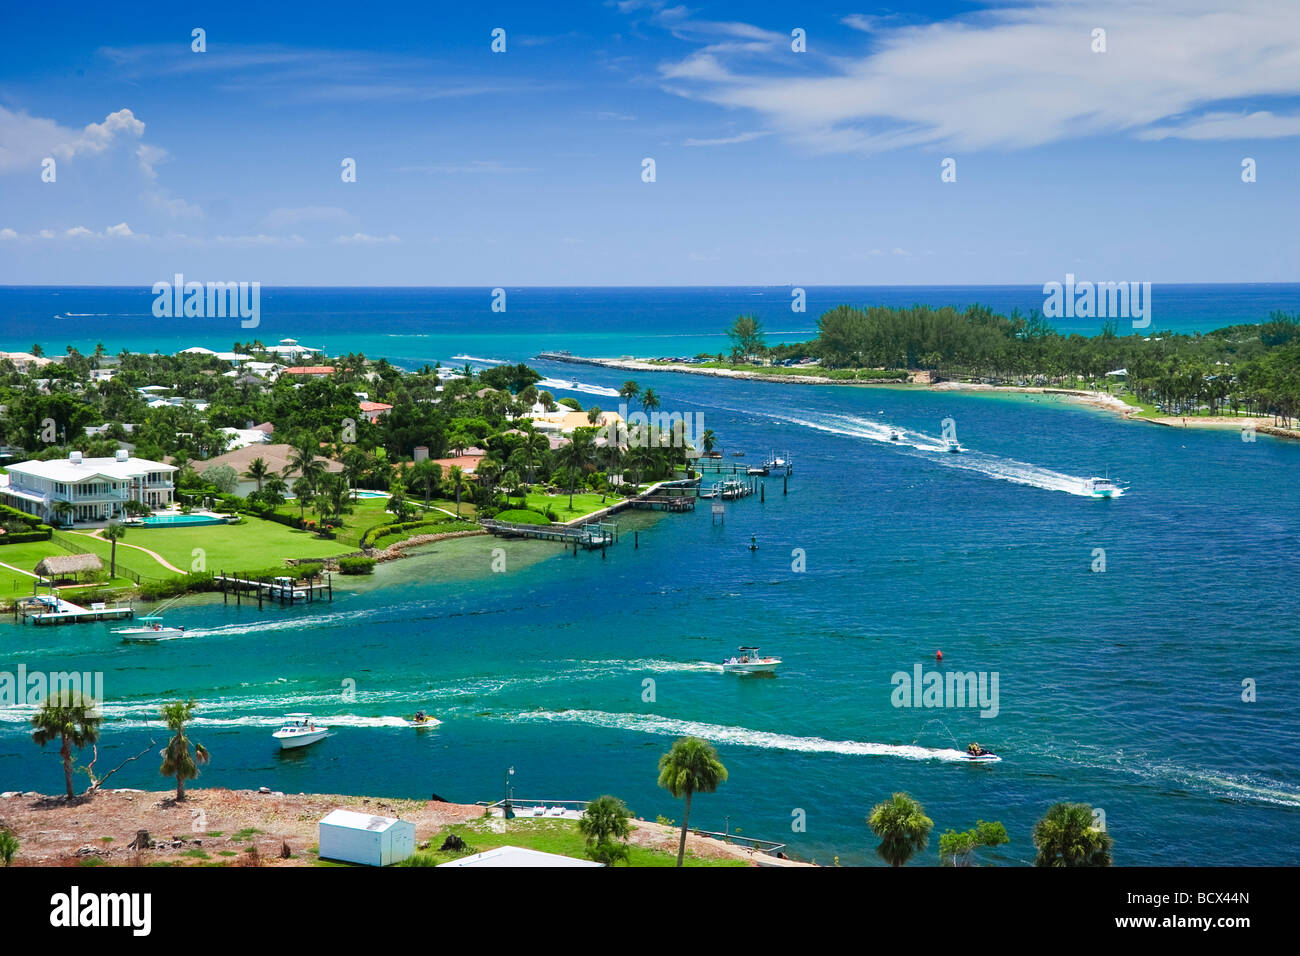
(310, 370)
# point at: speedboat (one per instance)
(952, 446)
(750, 661)
(1101, 487)
(756, 470)
(894, 436)
(299, 731)
(737, 454)
(152, 632)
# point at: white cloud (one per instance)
(1258, 125)
(79, 232)
(1021, 75)
(8, 234)
(728, 140)
(25, 139)
(120, 231)
(360, 238)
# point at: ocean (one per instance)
(1120, 687)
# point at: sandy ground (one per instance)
(55, 832)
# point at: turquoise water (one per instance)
(1122, 687)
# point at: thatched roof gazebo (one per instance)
(58, 566)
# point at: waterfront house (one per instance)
(276, 457)
(310, 371)
(94, 489)
(290, 349)
(373, 411)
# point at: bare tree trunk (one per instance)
(686, 816)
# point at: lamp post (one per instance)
(508, 811)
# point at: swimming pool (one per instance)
(370, 494)
(165, 521)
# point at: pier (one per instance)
(588, 536)
(51, 609)
(282, 590)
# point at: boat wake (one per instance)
(553, 384)
(936, 449)
(741, 736)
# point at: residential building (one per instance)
(96, 489)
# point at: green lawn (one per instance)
(584, 503)
(26, 556)
(548, 836)
(254, 543)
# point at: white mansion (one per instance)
(95, 488)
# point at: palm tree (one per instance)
(902, 826)
(258, 470)
(71, 718)
(63, 509)
(650, 402)
(457, 478)
(1068, 836)
(708, 440)
(112, 532)
(605, 825)
(574, 457)
(629, 391)
(355, 464)
(274, 490)
(177, 760)
(691, 766)
(429, 473)
(593, 414)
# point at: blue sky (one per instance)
(772, 167)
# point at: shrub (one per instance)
(8, 846)
(356, 565)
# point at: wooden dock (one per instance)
(55, 610)
(274, 591)
(588, 536)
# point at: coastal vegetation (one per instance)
(1068, 835)
(180, 759)
(71, 719)
(958, 849)
(902, 826)
(1239, 368)
(605, 824)
(691, 766)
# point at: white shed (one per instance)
(363, 838)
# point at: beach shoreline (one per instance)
(1104, 401)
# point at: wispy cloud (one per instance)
(1018, 75)
(729, 140)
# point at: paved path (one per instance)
(97, 535)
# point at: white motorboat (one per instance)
(1101, 487)
(894, 436)
(778, 465)
(151, 632)
(952, 446)
(750, 661)
(299, 731)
